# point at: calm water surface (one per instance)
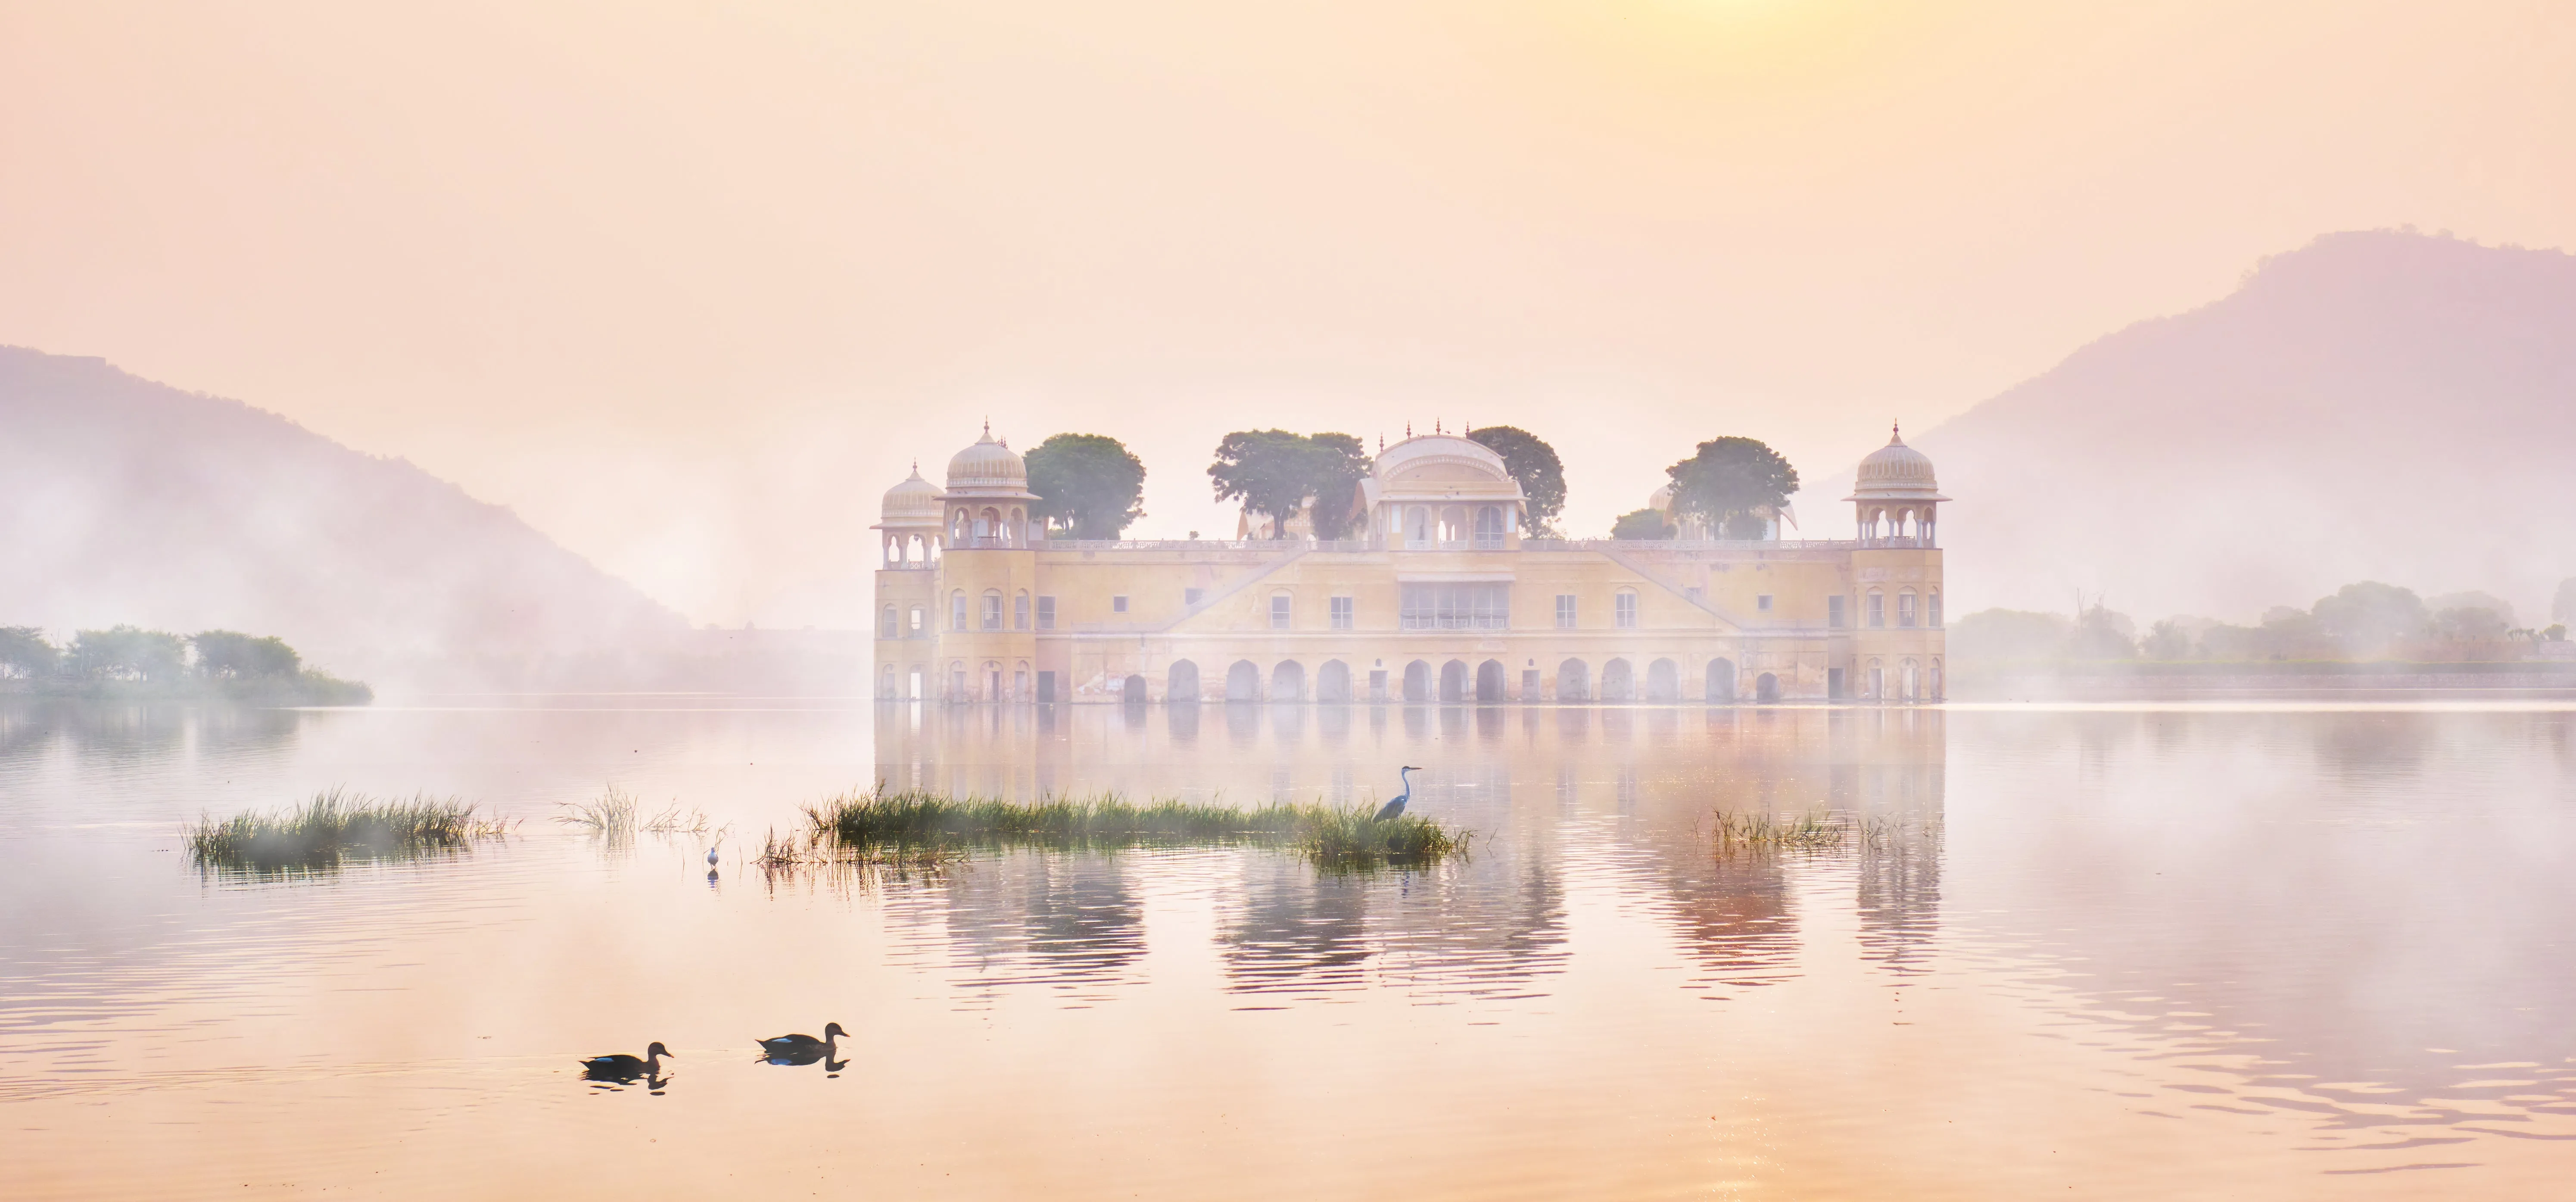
(2282, 950)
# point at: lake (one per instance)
(2286, 948)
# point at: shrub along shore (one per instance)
(127, 663)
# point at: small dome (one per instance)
(1895, 470)
(915, 499)
(1424, 450)
(987, 464)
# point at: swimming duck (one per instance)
(788, 1045)
(622, 1067)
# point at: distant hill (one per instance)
(2380, 406)
(122, 500)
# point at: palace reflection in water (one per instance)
(1623, 794)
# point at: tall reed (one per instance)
(336, 824)
(1330, 834)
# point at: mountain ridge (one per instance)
(133, 501)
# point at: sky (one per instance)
(687, 286)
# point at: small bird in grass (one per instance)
(792, 1045)
(622, 1067)
(1396, 807)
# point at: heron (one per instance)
(622, 1067)
(1396, 807)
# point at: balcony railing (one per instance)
(1693, 544)
(1455, 621)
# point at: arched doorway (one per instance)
(1182, 682)
(1453, 681)
(1333, 682)
(1417, 681)
(1618, 681)
(1489, 681)
(1573, 681)
(1243, 682)
(1663, 681)
(1936, 675)
(1766, 688)
(1912, 683)
(1721, 681)
(1288, 681)
(1134, 690)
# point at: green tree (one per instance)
(1732, 484)
(1640, 524)
(2367, 618)
(1275, 473)
(1340, 463)
(2166, 640)
(1535, 466)
(235, 656)
(1090, 484)
(129, 653)
(25, 653)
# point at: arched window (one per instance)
(1932, 615)
(1874, 607)
(918, 617)
(993, 609)
(885, 682)
(1019, 526)
(1936, 680)
(959, 526)
(1020, 611)
(957, 680)
(1905, 608)
(1877, 681)
(1489, 526)
(957, 610)
(1573, 681)
(889, 626)
(1624, 609)
(1417, 526)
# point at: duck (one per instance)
(789, 1045)
(622, 1067)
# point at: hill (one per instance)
(2375, 405)
(126, 501)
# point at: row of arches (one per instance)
(990, 526)
(1456, 681)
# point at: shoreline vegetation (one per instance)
(335, 826)
(918, 823)
(128, 663)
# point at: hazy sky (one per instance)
(687, 285)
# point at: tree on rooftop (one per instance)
(1732, 484)
(1639, 524)
(1090, 484)
(1275, 473)
(1535, 466)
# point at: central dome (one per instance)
(987, 464)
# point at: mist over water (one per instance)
(2139, 950)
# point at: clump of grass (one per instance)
(1813, 830)
(336, 825)
(617, 815)
(1328, 834)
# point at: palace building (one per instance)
(1436, 597)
